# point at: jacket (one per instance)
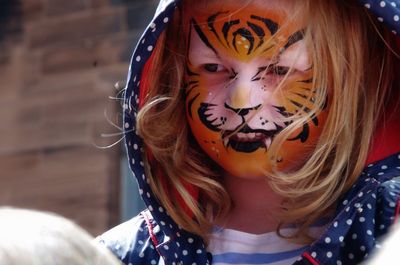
(364, 214)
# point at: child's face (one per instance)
(237, 59)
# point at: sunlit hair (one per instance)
(30, 237)
(353, 67)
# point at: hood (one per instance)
(387, 12)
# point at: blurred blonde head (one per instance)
(30, 237)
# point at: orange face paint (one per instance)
(248, 74)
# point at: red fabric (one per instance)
(308, 257)
(144, 80)
(396, 214)
(387, 137)
(150, 228)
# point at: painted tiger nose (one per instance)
(241, 99)
(242, 111)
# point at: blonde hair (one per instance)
(349, 57)
(30, 237)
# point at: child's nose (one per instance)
(242, 98)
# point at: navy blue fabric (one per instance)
(385, 11)
(365, 213)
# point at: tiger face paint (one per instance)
(248, 72)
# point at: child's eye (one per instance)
(280, 70)
(213, 67)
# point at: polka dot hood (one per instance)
(364, 214)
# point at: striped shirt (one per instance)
(240, 248)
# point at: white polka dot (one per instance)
(345, 202)
(351, 256)
(361, 219)
(354, 236)
(392, 186)
(381, 173)
(380, 19)
(141, 255)
(314, 254)
(190, 240)
(362, 248)
(184, 252)
(384, 166)
(126, 125)
(349, 222)
(152, 25)
(329, 254)
(138, 58)
(160, 209)
(357, 205)
(335, 224)
(382, 4)
(360, 194)
(369, 232)
(150, 48)
(150, 208)
(393, 4)
(328, 240)
(339, 262)
(140, 191)
(367, 6)
(382, 227)
(133, 161)
(153, 262)
(373, 195)
(148, 195)
(162, 223)
(369, 206)
(166, 247)
(341, 238)
(166, 20)
(392, 204)
(199, 251)
(140, 242)
(135, 146)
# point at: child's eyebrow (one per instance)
(294, 38)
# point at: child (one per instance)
(268, 133)
(30, 237)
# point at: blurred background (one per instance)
(62, 64)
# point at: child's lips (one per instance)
(248, 141)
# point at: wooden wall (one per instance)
(59, 62)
